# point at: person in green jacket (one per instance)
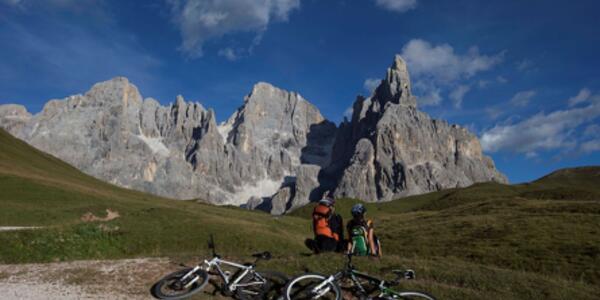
(361, 233)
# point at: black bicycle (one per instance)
(361, 285)
(245, 284)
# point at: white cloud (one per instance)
(440, 63)
(522, 98)
(494, 112)
(435, 67)
(584, 94)
(501, 79)
(228, 53)
(590, 146)
(432, 98)
(556, 130)
(525, 65)
(458, 94)
(200, 20)
(397, 5)
(371, 84)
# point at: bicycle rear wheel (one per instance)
(174, 287)
(305, 287)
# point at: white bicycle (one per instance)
(245, 284)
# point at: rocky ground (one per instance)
(92, 279)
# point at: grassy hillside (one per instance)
(532, 241)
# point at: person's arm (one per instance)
(372, 242)
(349, 237)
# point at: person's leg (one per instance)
(312, 245)
(326, 244)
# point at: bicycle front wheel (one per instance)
(310, 286)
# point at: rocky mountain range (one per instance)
(275, 153)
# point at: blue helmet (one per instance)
(358, 210)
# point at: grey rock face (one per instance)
(390, 149)
(178, 151)
(274, 153)
(13, 117)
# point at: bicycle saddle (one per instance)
(263, 255)
(407, 274)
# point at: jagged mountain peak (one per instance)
(115, 91)
(274, 152)
(266, 92)
(395, 87)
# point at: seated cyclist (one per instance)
(362, 239)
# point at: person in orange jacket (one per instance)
(328, 228)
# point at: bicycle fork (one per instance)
(323, 287)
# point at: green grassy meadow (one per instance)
(539, 240)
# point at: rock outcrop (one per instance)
(390, 149)
(274, 153)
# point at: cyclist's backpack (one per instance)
(321, 222)
(360, 240)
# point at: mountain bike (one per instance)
(317, 286)
(245, 284)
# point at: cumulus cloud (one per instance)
(584, 94)
(458, 94)
(440, 63)
(201, 20)
(556, 130)
(435, 67)
(522, 98)
(397, 5)
(371, 84)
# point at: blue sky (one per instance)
(523, 75)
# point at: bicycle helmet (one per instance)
(329, 201)
(358, 210)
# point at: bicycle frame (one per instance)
(230, 283)
(350, 272)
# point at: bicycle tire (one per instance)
(410, 295)
(295, 291)
(157, 288)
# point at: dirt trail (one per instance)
(93, 279)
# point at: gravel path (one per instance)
(117, 279)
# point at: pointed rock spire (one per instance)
(395, 87)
